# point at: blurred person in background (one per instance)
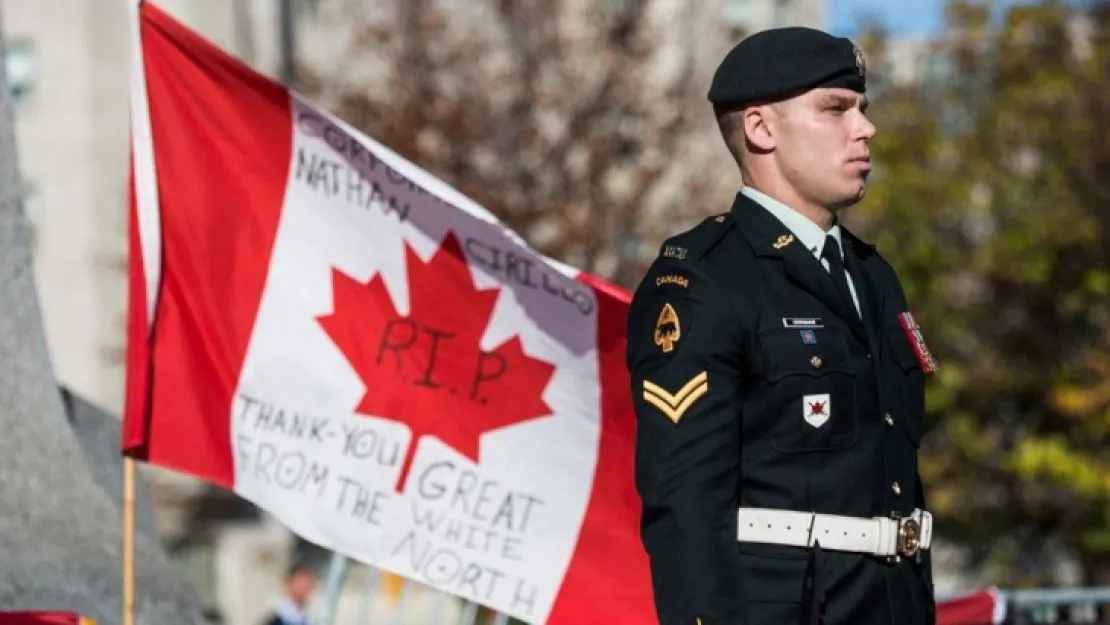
(297, 589)
(777, 375)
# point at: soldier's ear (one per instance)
(759, 130)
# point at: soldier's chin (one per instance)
(850, 200)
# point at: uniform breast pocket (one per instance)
(811, 391)
(910, 382)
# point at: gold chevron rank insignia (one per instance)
(676, 405)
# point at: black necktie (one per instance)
(831, 253)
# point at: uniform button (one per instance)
(816, 362)
(896, 488)
(889, 419)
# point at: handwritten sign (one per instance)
(464, 532)
(291, 451)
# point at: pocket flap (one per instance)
(784, 351)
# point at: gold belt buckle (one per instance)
(908, 544)
(909, 537)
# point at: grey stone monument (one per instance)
(60, 514)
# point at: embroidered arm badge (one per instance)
(675, 405)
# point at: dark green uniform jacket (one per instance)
(757, 384)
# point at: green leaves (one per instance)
(992, 202)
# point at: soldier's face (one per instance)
(821, 146)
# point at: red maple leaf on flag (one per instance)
(427, 369)
(817, 407)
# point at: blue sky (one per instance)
(902, 17)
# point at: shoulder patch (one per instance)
(666, 307)
(665, 323)
(673, 279)
(668, 328)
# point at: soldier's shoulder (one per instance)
(692, 245)
(679, 269)
(864, 250)
(869, 253)
(677, 291)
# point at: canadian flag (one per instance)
(983, 607)
(352, 345)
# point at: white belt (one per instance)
(887, 537)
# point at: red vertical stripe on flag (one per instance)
(608, 580)
(219, 212)
(137, 396)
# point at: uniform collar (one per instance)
(809, 234)
(774, 231)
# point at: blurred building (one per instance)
(747, 16)
(908, 60)
(67, 63)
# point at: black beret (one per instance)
(779, 63)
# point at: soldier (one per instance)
(777, 374)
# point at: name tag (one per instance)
(802, 322)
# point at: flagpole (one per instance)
(128, 540)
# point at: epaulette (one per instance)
(693, 244)
(859, 244)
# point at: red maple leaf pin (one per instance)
(817, 407)
(427, 369)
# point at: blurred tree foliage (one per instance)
(992, 200)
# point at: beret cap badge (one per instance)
(861, 63)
